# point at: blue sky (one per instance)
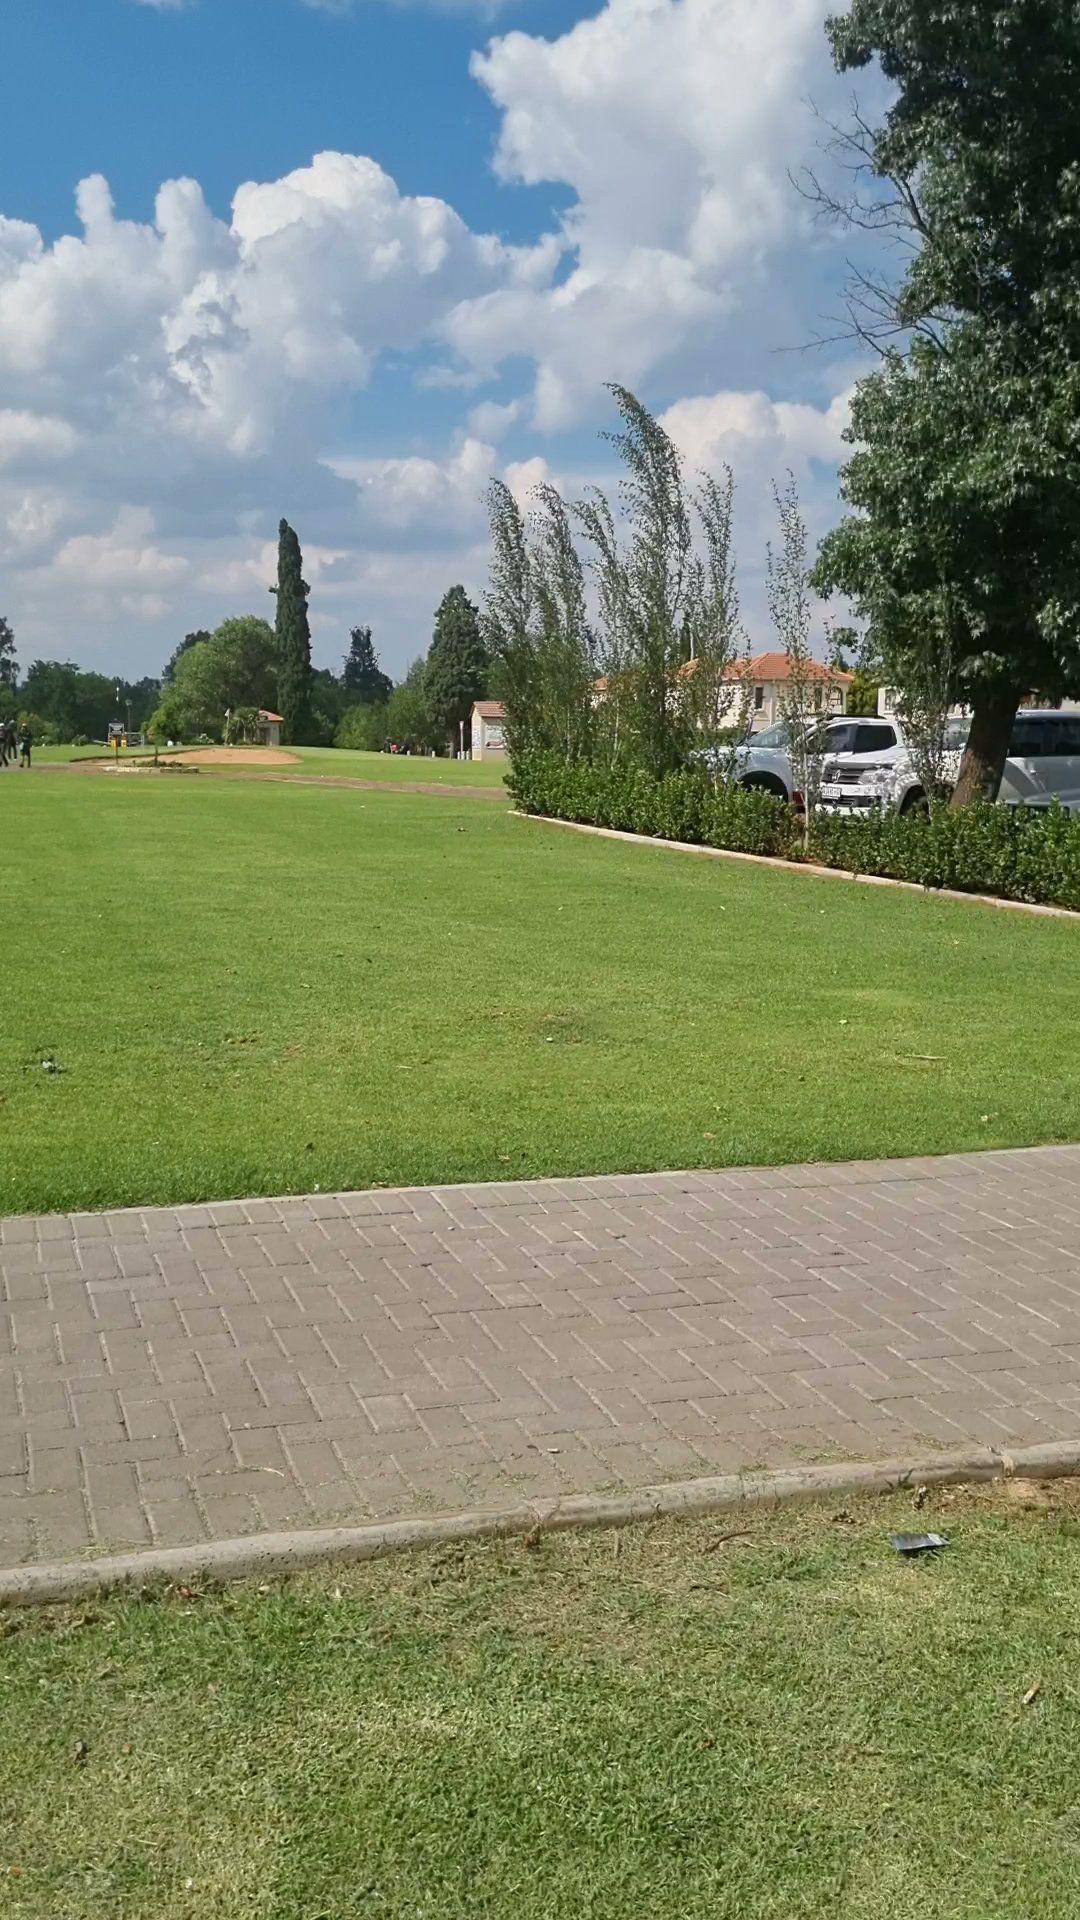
(343, 259)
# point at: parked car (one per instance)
(1043, 765)
(867, 762)
(764, 762)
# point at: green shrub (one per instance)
(1012, 853)
(686, 805)
(362, 727)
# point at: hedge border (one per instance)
(809, 867)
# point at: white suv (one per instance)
(876, 769)
(763, 763)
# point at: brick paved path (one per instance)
(174, 1374)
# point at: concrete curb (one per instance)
(277, 1553)
(806, 867)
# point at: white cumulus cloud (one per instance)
(169, 386)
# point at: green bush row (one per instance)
(1012, 853)
(681, 806)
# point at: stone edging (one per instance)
(283, 1553)
(801, 866)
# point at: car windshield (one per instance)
(777, 736)
(837, 738)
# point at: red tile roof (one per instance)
(490, 709)
(774, 666)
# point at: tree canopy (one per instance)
(964, 478)
(9, 671)
(457, 664)
(182, 646)
(363, 679)
(236, 667)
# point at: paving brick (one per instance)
(264, 1363)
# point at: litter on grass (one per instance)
(910, 1543)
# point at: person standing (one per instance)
(26, 742)
(3, 743)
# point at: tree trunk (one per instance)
(987, 747)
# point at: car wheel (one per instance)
(765, 783)
(915, 802)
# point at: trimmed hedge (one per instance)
(1011, 852)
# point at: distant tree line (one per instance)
(62, 703)
(216, 682)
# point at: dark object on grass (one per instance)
(918, 1542)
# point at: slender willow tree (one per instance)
(293, 637)
(653, 679)
(536, 625)
(669, 612)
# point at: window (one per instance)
(817, 696)
(1031, 738)
(874, 739)
(759, 699)
(1067, 735)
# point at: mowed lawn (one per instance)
(787, 1724)
(398, 766)
(252, 987)
(351, 764)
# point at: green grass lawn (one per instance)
(792, 1726)
(259, 987)
(399, 766)
(347, 763)
(63, 756)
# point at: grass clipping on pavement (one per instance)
(768, 1715)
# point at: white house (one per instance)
(488, 730)
(769, 677)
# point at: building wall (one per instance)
(488, 739)
(771, 695)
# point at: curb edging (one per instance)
(807, 867)
(295, 1551)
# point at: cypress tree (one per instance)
(363, 678)
(293, 636)
(457, 664)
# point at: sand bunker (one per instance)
(241, 757)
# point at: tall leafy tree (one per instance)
(235, 667)
(183, 646)
(964, 478)
(363, 679)
(293, 635)
(457, 664)
(8, 667)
